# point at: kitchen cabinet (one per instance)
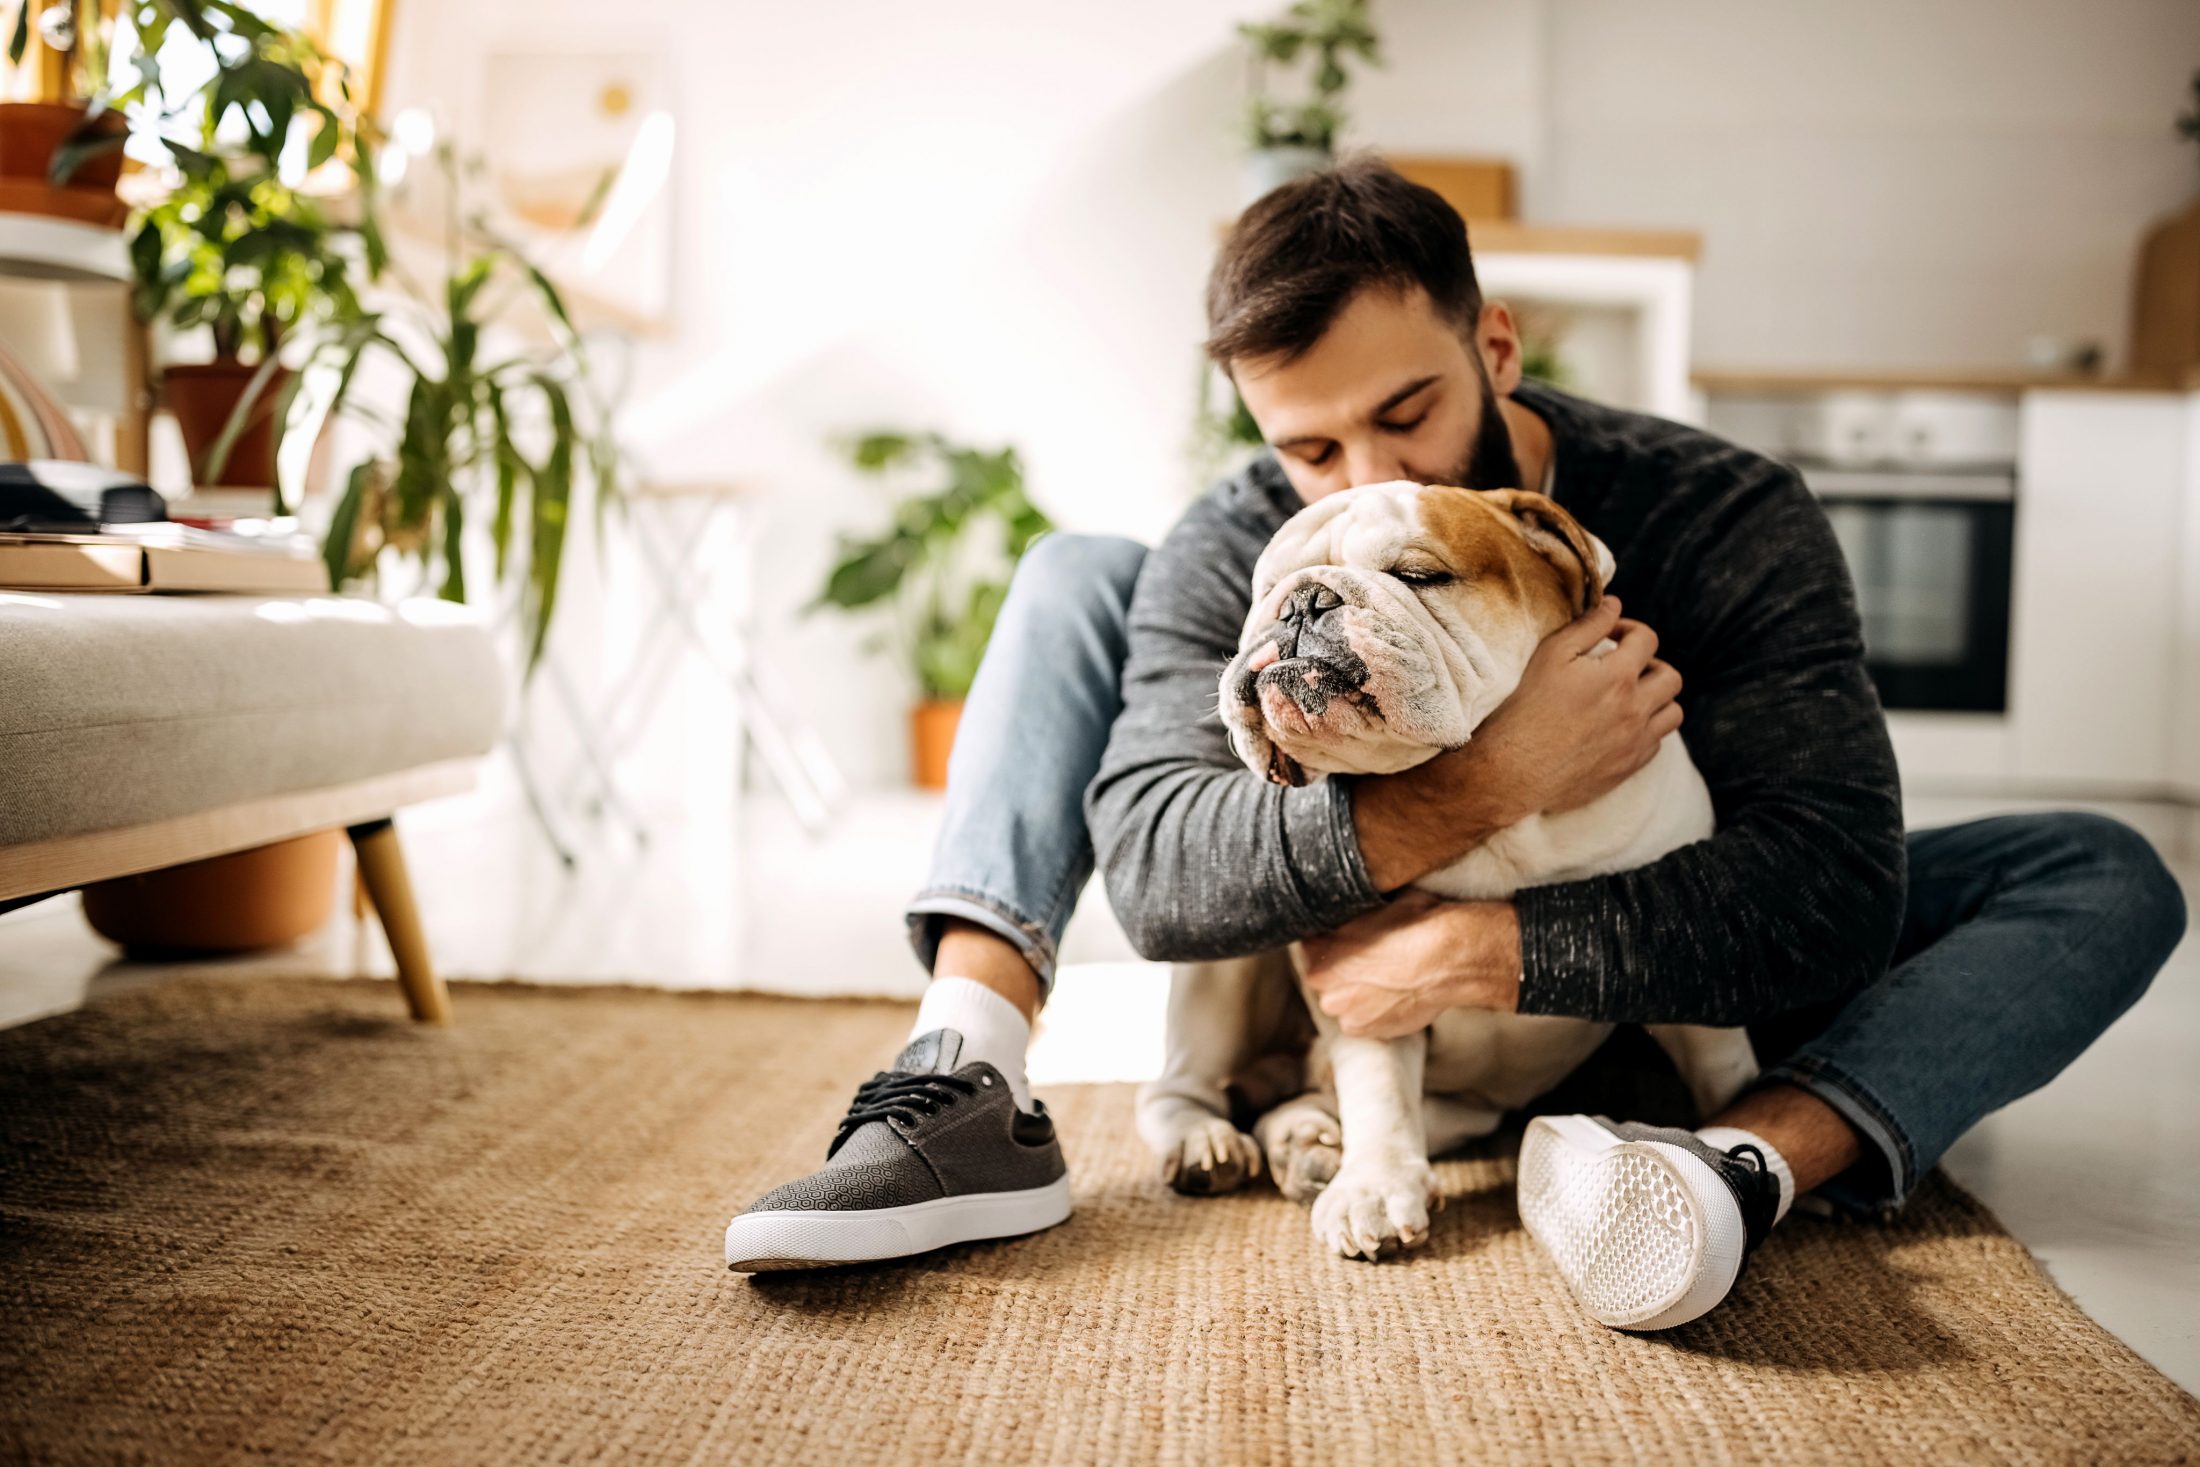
(2103, 563)
(2096, 651)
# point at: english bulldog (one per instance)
(1388, 621)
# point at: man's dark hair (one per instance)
(1295, 258)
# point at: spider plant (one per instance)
(490, 433)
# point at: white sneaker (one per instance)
(1649, 1226)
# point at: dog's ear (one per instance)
(1583, 562)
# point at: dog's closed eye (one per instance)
(1421, 575)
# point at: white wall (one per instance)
(996, 218)
(1879, 182)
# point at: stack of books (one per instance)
(67, 527)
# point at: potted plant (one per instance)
(234, 249)
(491, 434)
(942, 568)
(60, 152)
(1289, 140)
(237, 246)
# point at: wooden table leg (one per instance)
(382, 868)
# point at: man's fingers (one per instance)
(1586, 630)
(1637, 645)
(1664, 721)
(1659, 684)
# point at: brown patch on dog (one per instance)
(1541, 547)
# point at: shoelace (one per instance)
(888, 1096)
(1760, 1203)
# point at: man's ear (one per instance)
(1497, 338)
(1582, 559)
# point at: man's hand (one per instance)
(1577, 726)
(1580, 722)
(1394, 970)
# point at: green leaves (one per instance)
(552, 497)
(509, 467)
(96, 134)
(340, 551)
(499, 447)
(873, 452)
(1327, 32)
(507, 443)
(233, 246)
(942, 563)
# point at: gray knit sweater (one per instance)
(1795, 901)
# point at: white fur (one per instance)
(1448, 660)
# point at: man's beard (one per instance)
(1490, 462)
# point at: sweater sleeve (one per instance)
(1203, 858)
(1797, 898)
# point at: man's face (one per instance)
(1390, 391)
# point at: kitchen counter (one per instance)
(2012, 381)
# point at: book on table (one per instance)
(162, 557)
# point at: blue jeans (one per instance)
(2024, 936)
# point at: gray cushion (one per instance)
(121, 710)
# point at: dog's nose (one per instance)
(1308, 602)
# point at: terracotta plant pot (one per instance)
(931, 738)
(202, 396)
(264, 897)
(29, 134)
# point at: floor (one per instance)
(2099, 1173)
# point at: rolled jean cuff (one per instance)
(1030, 938)
(1864, 1190)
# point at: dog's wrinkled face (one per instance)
(1389, 620)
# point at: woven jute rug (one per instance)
(274, 1220)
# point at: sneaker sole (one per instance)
(1646, 1235)
(766, 1242)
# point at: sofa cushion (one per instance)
(119, 710)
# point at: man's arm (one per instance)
(1203, 858)
(1575, 729)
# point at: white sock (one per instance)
(1726, 1138)
(992, 1028)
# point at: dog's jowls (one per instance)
(1388, 621)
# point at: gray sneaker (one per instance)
(928, 1155)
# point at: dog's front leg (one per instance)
(1184, 1114)
(1384, 1189)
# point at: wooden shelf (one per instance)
(2008, 381)
(1511, 237)
(41, 247)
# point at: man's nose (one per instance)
(1374, 464)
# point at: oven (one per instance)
(1930, 553)
(1921, 489)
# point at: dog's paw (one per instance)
(1303, 1145)
(1376, 1207)
(1212, 1156)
